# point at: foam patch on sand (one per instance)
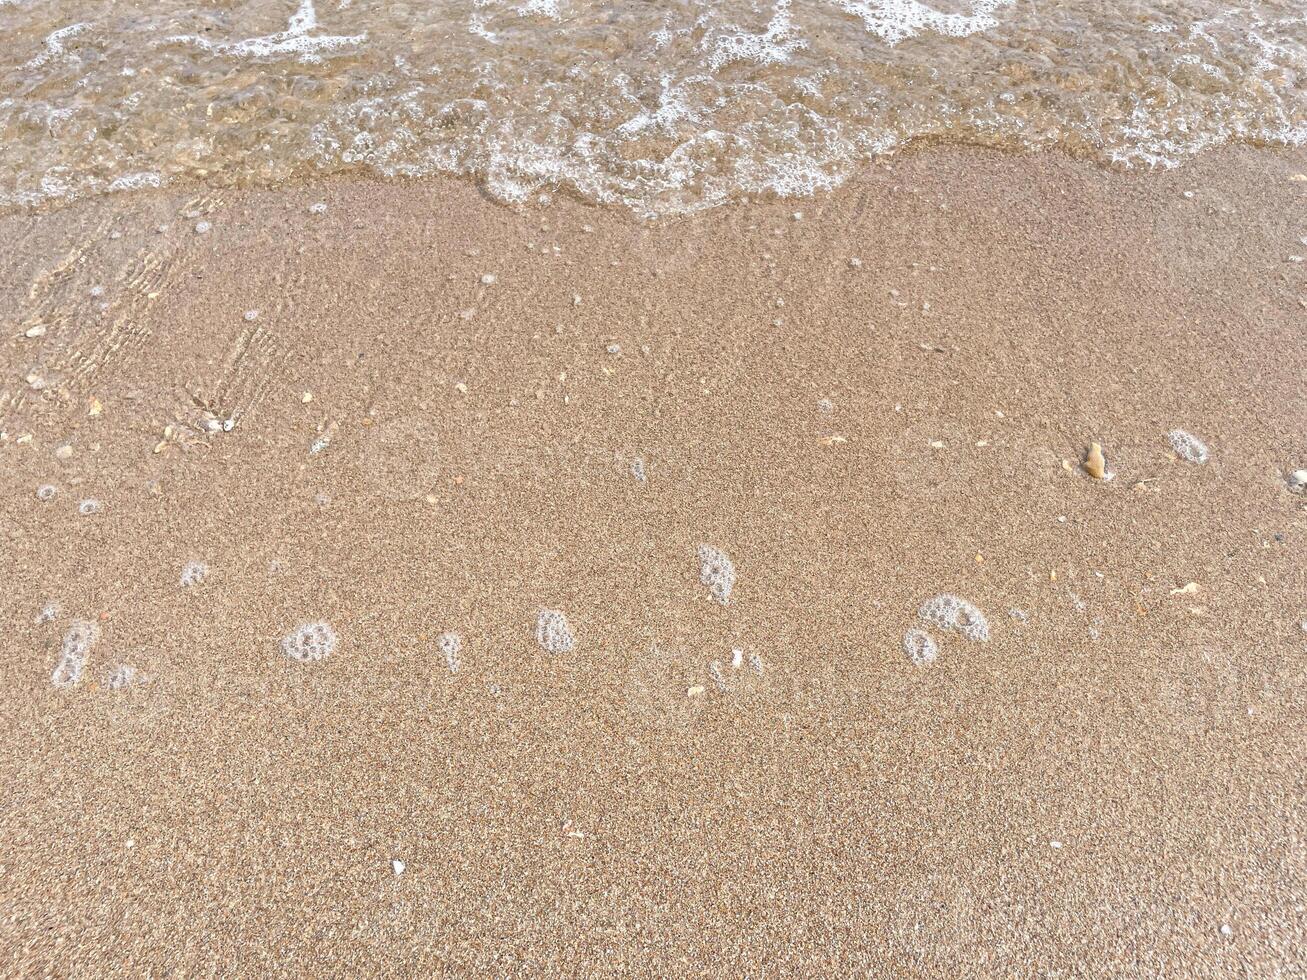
(310, 643)
(920, 647)
(78, 641)
(553, 632)
(717, 571)
(451, 647)
(1187, 446)
(121, 677)
(949, 612)
(193, 574)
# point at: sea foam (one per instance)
(553, 632)
(310, 642)
(717, 572)
(78, 641)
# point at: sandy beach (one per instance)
(404, 410)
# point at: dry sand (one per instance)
(1112, 787)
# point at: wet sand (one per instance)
(886, 399)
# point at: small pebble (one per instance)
(36, 331)
(251, 315)
(202, 227)
(398, 866)
(487, 280)
(318, 207)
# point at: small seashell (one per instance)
(1095, 464)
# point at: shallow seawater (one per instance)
(661, 107)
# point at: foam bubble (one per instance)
(45, 492)
(193, 573)
(1187, 446)
(949, 612)
(135, 181)
(451, 645)
(78, 641)
(715, 672)
(295, 40)
(896, 20)
(919, 646)
(716, 571)
(638, 471)
(89, 507)
(122, 676)
(553, 632)
(310, 642)
(772, 47)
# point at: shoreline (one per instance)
(481, 381)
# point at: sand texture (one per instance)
(429, 587)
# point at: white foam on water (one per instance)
(48, 614)
(310, 643)
(295, 40)
(897, 20)
(1186, 446)
(542, 8)
(136, 181)
(773, 46)
(679, 108)
(717, 572)
(89, 507)
(46, 492)
(54, 44)
(553, 633)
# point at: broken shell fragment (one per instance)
(1095, 464)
